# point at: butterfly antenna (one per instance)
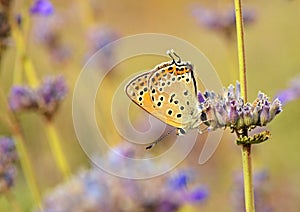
(169, 52)
(159, 139)
(179, 59)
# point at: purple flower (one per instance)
(230, 110)
(287, 95)
(45, 99)
(200, 97)
(220, 21)
(42, 7)
(233, 113)
(291, 93)
(50, 93)
(47, 32)
(95, 190)
(180, 181)
(8, 157)
(261, 192)
(22, 98)
(198, 195)
(97, 39)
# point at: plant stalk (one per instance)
(241, 47)
(247, 171)
(27, 168)
(246, 148)
(57, 151)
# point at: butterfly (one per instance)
(169, 93)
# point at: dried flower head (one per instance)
(8, 157)
(230, 110)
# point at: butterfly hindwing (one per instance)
(173, 93)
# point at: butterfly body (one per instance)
(168, 92)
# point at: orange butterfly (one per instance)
(169, 92)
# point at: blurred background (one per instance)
(54, 38)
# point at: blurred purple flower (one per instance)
(180, 181)
(262, 192)
(291, 93)
(97, 39)
(8, 157)
(95, 190)
(47, 32)
(221, 21)
(42, 7)
(198, 195)
(22, 98)
(44, 99)
(50, 93)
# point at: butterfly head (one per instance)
(176, 60)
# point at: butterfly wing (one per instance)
(137, 90)
(173, 95)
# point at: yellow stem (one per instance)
(30, 72)
(20, 51)
(56, 149)
(248, 187)
(26, 166)
(241, 47)
(20, 36)
(246, 149)
(87, 16)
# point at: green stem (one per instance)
(26, 166)
(246, 148)
(57, 151)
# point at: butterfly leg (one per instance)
(180, 131)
